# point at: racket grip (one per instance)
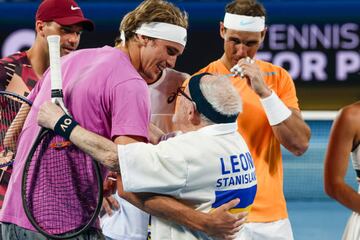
(56, 93)
(55, 67)
(60, 103)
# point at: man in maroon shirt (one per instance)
(20, 71)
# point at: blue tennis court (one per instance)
(312, 213)
(317, 220)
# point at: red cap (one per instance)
(63, 12)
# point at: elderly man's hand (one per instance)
(223, 224)
(49, 114)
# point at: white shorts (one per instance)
(352, 229)
(127, 223)
(278, 230)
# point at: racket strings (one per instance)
(11, 121)
(61, 187)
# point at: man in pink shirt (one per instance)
(106, 89)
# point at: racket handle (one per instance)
(60, 103)
(55, 68)
(56, 93)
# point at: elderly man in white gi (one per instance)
(206, 166)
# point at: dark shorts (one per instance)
(11, 231)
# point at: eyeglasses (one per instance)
(179, 91)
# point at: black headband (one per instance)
(203, 106)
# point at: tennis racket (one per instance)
(13, 111)
(11, 122)
(61, 185)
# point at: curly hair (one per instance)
(151, 11)
(246, 7)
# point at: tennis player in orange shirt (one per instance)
(271, 115)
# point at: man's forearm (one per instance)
(165, 207)
(175, 211)
(219, 223)
(168, 208)
(101, 149)
(293, 133)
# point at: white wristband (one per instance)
(275, 109)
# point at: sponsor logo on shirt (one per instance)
(238, 180)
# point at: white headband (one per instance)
(244, 23)
(163, 31)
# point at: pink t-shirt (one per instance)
(102, 91)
